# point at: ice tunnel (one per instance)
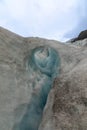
(43, 67)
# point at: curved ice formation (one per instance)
(43, 67)
(46, 60)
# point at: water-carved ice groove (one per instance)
(43, 67)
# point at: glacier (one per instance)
(43, 66)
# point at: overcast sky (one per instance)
(52, 19)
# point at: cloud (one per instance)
(50, 19)
(82, 20)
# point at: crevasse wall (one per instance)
(43, 67)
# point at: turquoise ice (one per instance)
(43, 66)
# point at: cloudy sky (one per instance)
(52, 19)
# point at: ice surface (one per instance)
(43, 64)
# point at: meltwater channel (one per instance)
(43, 66)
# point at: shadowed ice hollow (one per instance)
(43, 65)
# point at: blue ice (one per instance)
(43, 67)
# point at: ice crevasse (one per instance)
(43, 66)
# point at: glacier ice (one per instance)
(43, 67)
